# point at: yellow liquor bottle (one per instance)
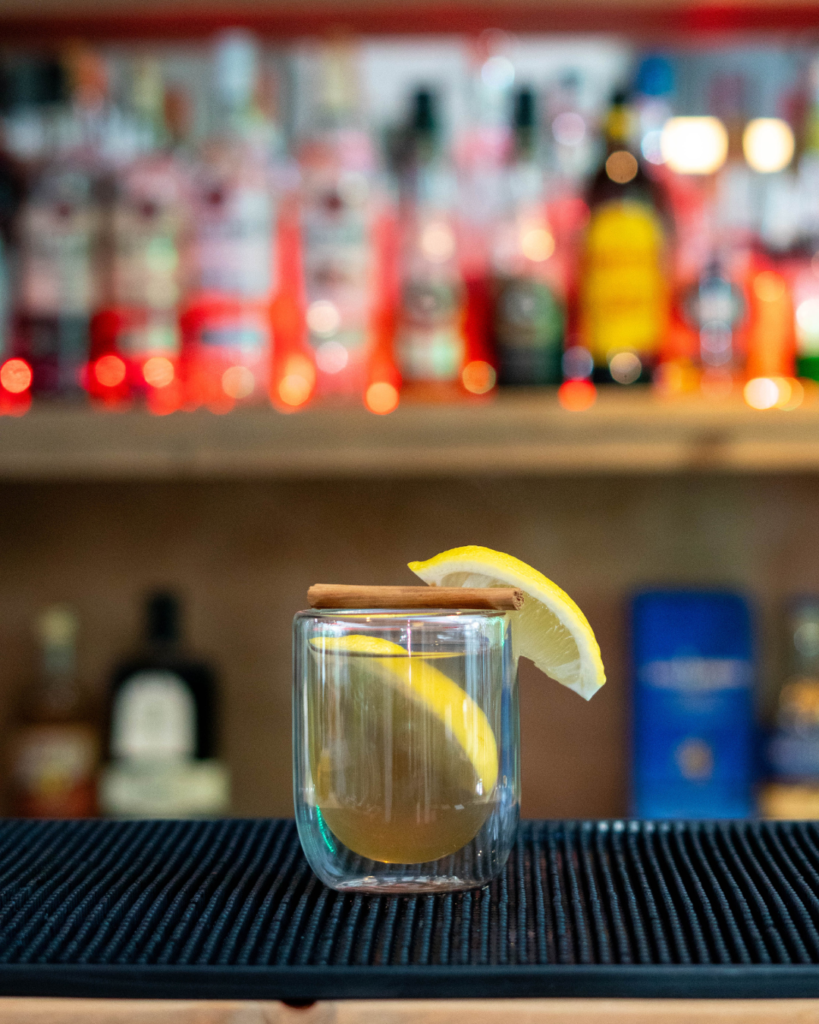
(624, 287)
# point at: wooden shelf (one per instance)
(521, 433)
(25, 21)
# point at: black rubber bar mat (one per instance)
(230, 909)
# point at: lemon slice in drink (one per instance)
(407, 771)
(436, 692)
(550, 629)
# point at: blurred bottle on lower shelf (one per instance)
(55, 740)
(792, 750)
(162, 731)
(693, 726)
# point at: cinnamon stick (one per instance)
(339, 595)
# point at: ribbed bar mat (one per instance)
(230, 909)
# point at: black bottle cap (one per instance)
(32, 82)
(163, 618)
(525, 113)
(424, 119)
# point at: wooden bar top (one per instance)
(455, 1011)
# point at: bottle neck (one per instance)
(163, 648)
(805, 644)
(59, 691)
(618, 128)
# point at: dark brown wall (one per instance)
(243, 555)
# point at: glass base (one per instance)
(471, 867)
(407, 885)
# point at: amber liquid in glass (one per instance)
(392, 780)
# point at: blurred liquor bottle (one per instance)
(529, 289)
(163, 728)
(572, 152)
(716, 309)
(227, 329)
(342, 210)
(792, 790)
(430, 341)
(693, 723)
(624, 287)
(805, 292)
(805, 269)
(55, 743)
(135, 337)
(653, 105)
(16, 102)
(59, 224)
(482, 151)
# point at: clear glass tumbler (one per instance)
(406, 740)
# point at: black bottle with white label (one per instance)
(162, 729)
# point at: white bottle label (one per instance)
(167, 789)
(154, 717)
(235, 243)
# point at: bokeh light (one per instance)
(381, 397)
(498, 72)
(769, 286)
(577, 395)
(298, 380)
(622, 167)
(15, 376)
(158, 371)
(569, 128)
(537, 244)
(577, 363)
(323, 317)
(761, 393)
(332, 357)
(294, 389)
(694, 145)
(238, 382)
(109, 371)
(478, 377)
(625, 367)
(791, 393)
(438, 242)
(768, 144)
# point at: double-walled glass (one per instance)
(406, 747)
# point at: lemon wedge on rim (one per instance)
(439, 695)
(550, 629)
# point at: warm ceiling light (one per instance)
(767, 143)
(694, 145)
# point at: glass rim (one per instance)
(400, 613)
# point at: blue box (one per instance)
(693, 710)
